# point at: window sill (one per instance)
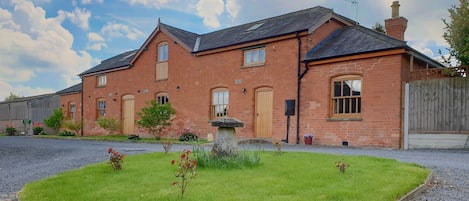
(253, 65)
(158, 62)
(344, 119)
(160, 80)
(100, 86)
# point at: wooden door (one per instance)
(264, 105)
(128, 114)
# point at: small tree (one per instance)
(457, 33)
(155, 118)
(72, 125)
(379, 28)
(109, 124)
(12, 97)
(55, 120)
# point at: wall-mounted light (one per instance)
(244, 91)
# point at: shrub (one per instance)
(109, 124)
(55, 120)
(341, 165)
(155, 117)
(37, 130)
(11, 130)
(72, 125)
(115, 159)
(188, 135)
(66, 133)
(185, 170)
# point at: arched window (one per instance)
(346, 96)
(162, 98)
(101, 108)
(162, 64)
(220, 103)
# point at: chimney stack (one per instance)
(396, 25)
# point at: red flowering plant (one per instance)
(185, 170)
(115, 158)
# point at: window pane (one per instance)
(160, 53)
(359, 105)
(341, 106)
(261, 55)
(255, 57)
(336, 106)
(215, 98)
(165, 52)
(226, 97)
(247, 57)
(347, 87)
(356, 87)
(337, 89)
(347, 105)
(354, 105)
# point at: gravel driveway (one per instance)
(25, 159)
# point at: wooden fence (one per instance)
(436, 113)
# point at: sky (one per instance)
(45, 44)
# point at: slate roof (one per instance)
(73, 89)
(352, 40)
(303, 20)
(121, 60)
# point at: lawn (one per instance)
(290, 176)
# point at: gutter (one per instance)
(298, 91)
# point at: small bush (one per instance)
(72, 125)
(115, 159)
(55, 120)
(185, 170)
(187, 135)
(155, 118)
(37, 130)
(66, 133)
(109, 124)
(11, 130)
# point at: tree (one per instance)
(12, 97)
(379, 28)
(55, 120)
(155, 117)
(457, 33)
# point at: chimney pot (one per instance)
(395, 9)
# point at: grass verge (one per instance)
(290, 176)
(118, 138)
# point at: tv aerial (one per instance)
(354, 3)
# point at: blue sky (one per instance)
(44, 44)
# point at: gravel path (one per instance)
(26, 159)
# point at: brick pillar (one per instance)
(396, 25)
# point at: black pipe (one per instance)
(298, 92)
(82, 112)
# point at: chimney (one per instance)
(396, 25)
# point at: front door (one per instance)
(128, 114)
(264, 105)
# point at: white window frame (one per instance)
(100, 107)
(254, 57)
(101, 80)
(220, 103)
(163, 52)
(162, 98)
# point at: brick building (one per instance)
(345, 79)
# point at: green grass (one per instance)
(290, 176)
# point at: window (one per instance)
(163, 52)
(220, 99)
(346, 96)
(254, 56)
(101, 109)
(71, 110)
(162, 98)
(101, 80)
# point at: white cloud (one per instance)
(21, 90)
(210, 10)
(149, 3)
(91, 1)
(95, 42)
(116, 30)
(232, 8)
(79, 17)
(33, 44)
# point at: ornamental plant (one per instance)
(341, 165)
(185, 170)
(187, 134)
(115, 159)
(10, 129)
(109, 124)
(55, 120)
(155, 118)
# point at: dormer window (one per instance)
(163, 52)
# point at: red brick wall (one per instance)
(381, 103)
(65, 100)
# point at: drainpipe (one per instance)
(298, 92)
(81, 111)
